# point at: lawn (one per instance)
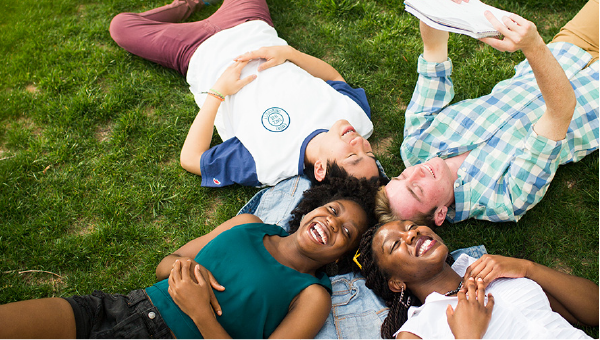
(91, 192)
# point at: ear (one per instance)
(396, 285)
(320, 169)
(440, 215)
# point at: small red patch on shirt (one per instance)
(216, 181)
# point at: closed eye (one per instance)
(394, 246)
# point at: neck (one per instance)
(447, 280)
(455, 162)
(285, 251)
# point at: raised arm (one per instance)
(435, 43)
(200, 133)
(575, 298)
(276, 55)
(521, 34)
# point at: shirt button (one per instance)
(151, 315)
(456, 185)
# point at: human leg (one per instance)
(40, 318)
(582, 30)
(157, 35)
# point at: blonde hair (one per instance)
(384, 213)
(383, 210)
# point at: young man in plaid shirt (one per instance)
(494, 157)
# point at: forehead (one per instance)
(402, 202)
(353, 212)
(360, 166)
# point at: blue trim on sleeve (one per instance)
(358, 95)
(228, 163)
(303, 149)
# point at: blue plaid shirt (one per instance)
(509, 167)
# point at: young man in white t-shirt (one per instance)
(279, 112)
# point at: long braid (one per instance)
(377, 280)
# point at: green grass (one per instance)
(91, 192)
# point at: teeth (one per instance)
(319, 233)
(423, 246)
(347, 132)
(429, 169)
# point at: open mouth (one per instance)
(348, 130)
(318, 233)
(424, 244)
(430, 169)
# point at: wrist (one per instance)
(218, 95)
(535, 48)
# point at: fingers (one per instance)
(267, 64)
(185, 270)
(213, 299)
(247, 80)
(449, 312)
(480, 290)
(490, 304)
(176, 271)
(248, 56)
(213, 282)
(471, 289)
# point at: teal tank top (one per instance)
(258, 289)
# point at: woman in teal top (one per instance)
(244, 279)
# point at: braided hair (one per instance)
(360, 191)
(377, 280)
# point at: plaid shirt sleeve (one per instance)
(433, 92)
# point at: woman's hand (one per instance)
(194, 294)
(490, 267)
(519, 34)
(472, 316)
(274, 55)
(229, 82)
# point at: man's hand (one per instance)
(194, 295)
(274, 55)
(519, 34)
(472, 316)
(229, 82)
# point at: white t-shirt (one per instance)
(272, 116)
(521, 311)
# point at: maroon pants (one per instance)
(158, 36)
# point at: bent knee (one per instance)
(118, 27)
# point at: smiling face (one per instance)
(408, 252)
(420, 189)
(348, 149)
(332, 230)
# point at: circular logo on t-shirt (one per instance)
(275, 119)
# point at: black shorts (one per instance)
(102, 315)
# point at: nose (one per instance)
(361, 144)
(410, 236)
(417, 173)
(333, 223)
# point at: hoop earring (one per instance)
(401, 298)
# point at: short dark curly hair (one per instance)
(334, 170)
(361, 191)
